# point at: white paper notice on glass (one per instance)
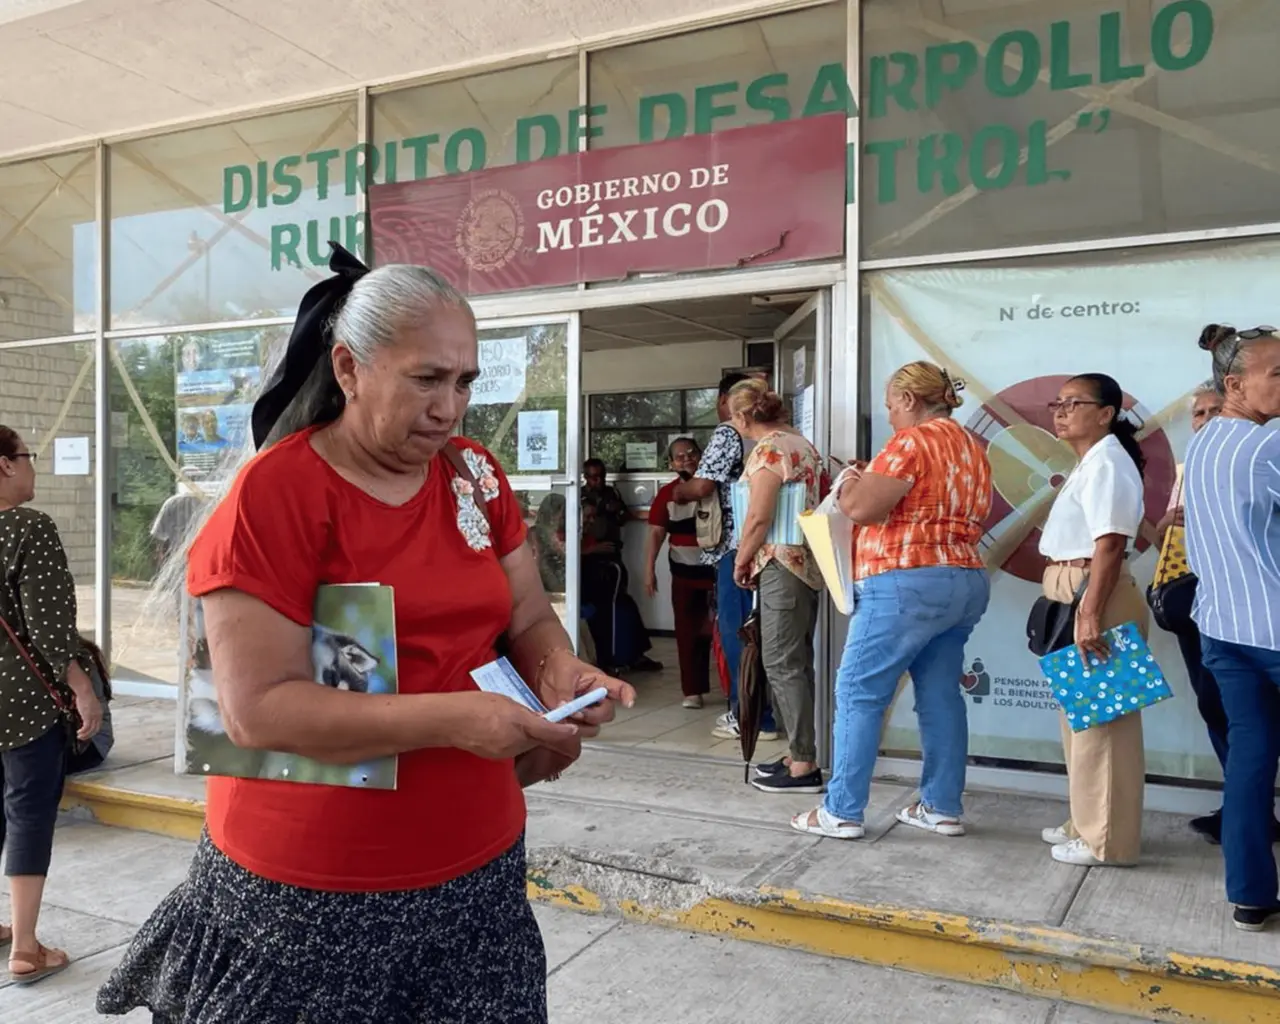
(798, 367)
(503, 362)
(642, 455)
(538, 441)
(805, 400)
(71, 456)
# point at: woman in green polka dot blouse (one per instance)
(38, 603)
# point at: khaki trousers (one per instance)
(1106, 765)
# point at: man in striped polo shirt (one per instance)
(1232, 486)
(691, 581)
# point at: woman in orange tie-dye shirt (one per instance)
(921, 588)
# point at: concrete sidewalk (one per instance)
(599, 967)
(682, 841)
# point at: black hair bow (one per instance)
(309, 341)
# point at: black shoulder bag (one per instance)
(1051, 625)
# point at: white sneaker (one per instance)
(919, 816)
(1056, 836)
(1077, 852)
(726, 727)
(693, 703)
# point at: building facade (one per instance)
(1018, 190)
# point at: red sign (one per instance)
(765, 194)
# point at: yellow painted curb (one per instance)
(1033, 960)
(142, 812)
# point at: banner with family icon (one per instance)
(1015, 334)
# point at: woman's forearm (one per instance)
(1104, 573)
(754, 532)
(340, 727)
(543, 639)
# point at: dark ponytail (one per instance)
(1110, 396)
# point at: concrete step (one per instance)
(681, 842)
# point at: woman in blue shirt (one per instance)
(1232, 488)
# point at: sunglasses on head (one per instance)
(1254, 333)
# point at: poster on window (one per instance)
(218, 376)
(1014, 335)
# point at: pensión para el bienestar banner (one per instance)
(1015, 334)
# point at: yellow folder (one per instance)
(829, 535)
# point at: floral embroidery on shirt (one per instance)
(471, 520)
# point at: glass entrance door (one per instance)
(525, 409)
(802, 360)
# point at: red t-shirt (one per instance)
(290, 523)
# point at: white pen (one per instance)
(574, 706)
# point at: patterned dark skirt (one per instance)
(229, 947)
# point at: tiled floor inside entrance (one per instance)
(659, 723)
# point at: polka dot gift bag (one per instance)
(1093, 692)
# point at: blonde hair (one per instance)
(753, 400)
(932, 386)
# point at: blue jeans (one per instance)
(1249, 679)
(917, 621)
(733, 605)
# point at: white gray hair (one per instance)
(381, 304)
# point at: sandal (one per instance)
(42, 964)
(819, 822)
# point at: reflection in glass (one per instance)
(180, 408)
(47, 396)
(48, 247)
(1138, 122)
(518, 408)
(632, 430)
(491, 120)
(232, 221)
(637, 409)
(752, 72)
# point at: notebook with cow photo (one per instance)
(353, 647)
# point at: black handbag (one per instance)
(1171, 603)
(1051, 625)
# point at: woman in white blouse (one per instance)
(1095, 516)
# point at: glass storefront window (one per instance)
(753, 72)
(232, 221)
(992, 127)
(180, 407)
(492, 120)
(518, 406)
(48, 247)
(633, 430)
(47, 396)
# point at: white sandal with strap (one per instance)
(819, 822)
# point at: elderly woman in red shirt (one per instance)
(318, 903)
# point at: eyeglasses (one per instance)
(31, 456)
(1069, 405)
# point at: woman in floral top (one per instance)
(782, 477)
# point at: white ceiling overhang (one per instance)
(76, 69)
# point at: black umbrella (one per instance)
(753, 687)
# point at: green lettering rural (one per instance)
(995, 156)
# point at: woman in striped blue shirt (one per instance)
(1232, 487)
